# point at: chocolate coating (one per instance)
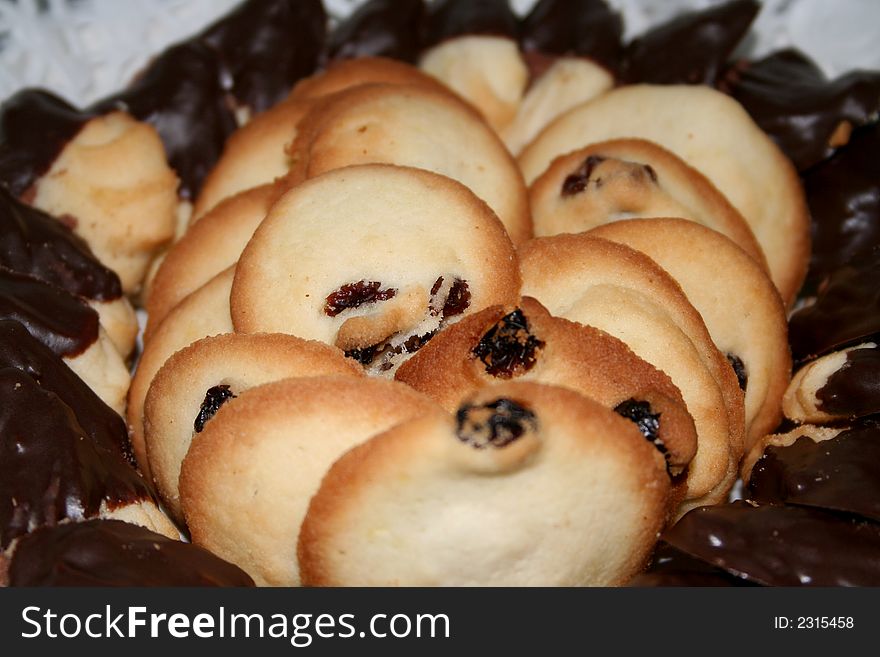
(35, 125)
(585, 28)
(180, 94)
(782, 545)
(446, 19)
(59, 320)
(840, 474)
(853, 390)
(843, 194)
(265, 46)
(115, 553)
(692, 48)
(846, 311)
(790, 98)
(671, 567)
(379, 28)
(50, 469)
(36, 244)
(21, 351)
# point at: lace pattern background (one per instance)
(85, 49)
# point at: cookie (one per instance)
(628, 179)
(246, 482)
(70, 328)
(115, 553)
(211, 245)
(759, 181)
(344, 74)
(843, 385)
(373, 259)
(526, 343)
(481, 498)
(193, 384)
(254, 155)
(54, 469)
(203, 313)
(415, 127)
(486, 70)
(741, 308)
(125, 213)
(835, 469)
(623, 292)
(35, 244)
(568, 81)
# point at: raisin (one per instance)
(495, 424)
(651, 173)
(458, 300)
(508, 349)
(578, 180)
(364, 356)
(352, 295)
(647, 422)
(214, 398)
(739, 369)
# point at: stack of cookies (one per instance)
(487, 302)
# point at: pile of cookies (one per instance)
(446, 296)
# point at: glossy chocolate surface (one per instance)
(671, 567)
(50, 469)
(790, 98)
(180, 94)
(841, 474)
(265, 46)
(19, 350)
(843, 194)
(846, 311)
(584, 28)
(35, 125)
(61, 321)
(115, 553)
(692, 48)
(782, 545)
(446, 19)
(379, 28)
(853, 390)
(36, 244)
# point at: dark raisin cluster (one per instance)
(577, 181)
(495, 424)
(739, 369)
(352, 295)
(648, 423)
(214, 398)
(508, 349)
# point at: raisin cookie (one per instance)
(526, 343)
(192, 385)
(623, 292)
(627, 179)
(742, 309)
(373, 259)
(246, 482)
(125, 213)
(203, 313)
(741, 161)
(527, 485)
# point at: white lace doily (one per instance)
(85, 49)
